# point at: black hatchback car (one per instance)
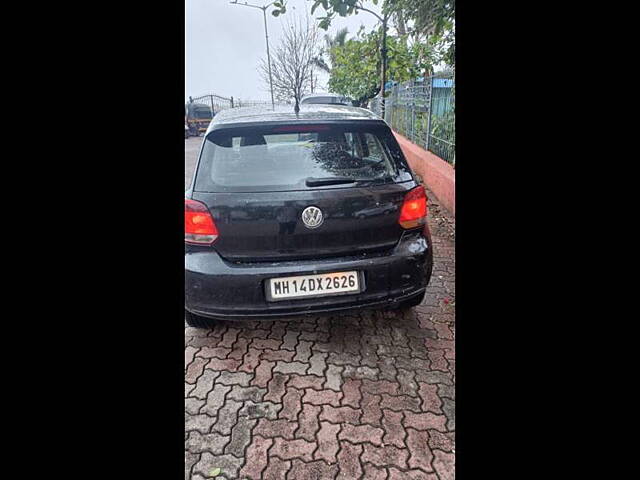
(310, 213)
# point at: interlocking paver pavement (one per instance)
(364, 396)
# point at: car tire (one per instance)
(196, 321)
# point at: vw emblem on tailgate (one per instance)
(312, 217)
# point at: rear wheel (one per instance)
(196, 321)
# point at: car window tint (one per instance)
(269, 159)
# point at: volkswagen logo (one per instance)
(312, 217)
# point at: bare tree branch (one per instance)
(293, 61)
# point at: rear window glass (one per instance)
(280, 158)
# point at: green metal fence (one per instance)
(423, 111)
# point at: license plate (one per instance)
(305, 286)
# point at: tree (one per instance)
(326, 53)
(292, 62)
(356, 69)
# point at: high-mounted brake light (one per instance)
(199, 227)
(414, 209)
(301, 128)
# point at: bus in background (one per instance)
(198, 117)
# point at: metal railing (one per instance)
(215, 102)
(423, 111)
(221, 103)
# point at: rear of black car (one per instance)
(289, 218)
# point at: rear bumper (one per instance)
(219, 289)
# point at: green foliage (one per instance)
(356, 64)
(430, 19)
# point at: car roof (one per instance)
(324, 95)
(249, 116)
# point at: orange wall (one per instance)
(437, 174)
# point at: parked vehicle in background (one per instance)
(325, 99)
(199, 115)
(300, 214)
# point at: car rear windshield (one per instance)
(296, 157)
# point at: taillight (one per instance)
(414, 209)
(199, 227)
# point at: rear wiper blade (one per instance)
(316, 182)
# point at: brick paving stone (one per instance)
(192, 406)
(322, 397)
(276, 469)
(371, 472)
(302, 382)
(211, 442)
(242, 394)
(438, 362)
(227, 417)
(444, 465)
(228, 464)
(190, 460)
(277, 355)
(229, 338)
(328, 445)
(187, 389)
(387, 369)
(434, 377)
(215, 399)
(189, 353)
(194, 370)
(218, 365)
(201, 423)
(250, 361)
(290, 449)
(291, 404)
(360, 372)
(408, 386)
(441, 441)
(303, 351)
(275, 428)
(318, 364)
(268, 410)
(263, 373)
(240, 436)
(269, 343)
(418, 445)
(395, 474)
(308, 422)
(291, 367)
(371, 411)
(395, 434)
(334, 378)
(351, 392)
(240, 348)
(385, 456)
(234, 378)
(400, 402)
(349, 464)
(256, 458)
(378, 387)
(361, 434)
(290, 340)
(340, 415)
(425, 421)
(449, 407)
(214, 352)
(276, 388)
(204, 384)
(431, 401)
(311, 471)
